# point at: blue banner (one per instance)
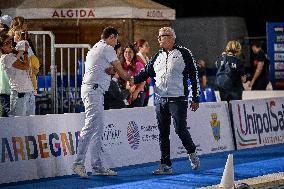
(275, 52)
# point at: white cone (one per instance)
(227, 180)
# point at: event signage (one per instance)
(258, 122)
(275, 52)
(97, 12)
(46, 145)
(210, 129)
(73, 13)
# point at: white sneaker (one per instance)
(80, 170)
(195, 162)
(163, 170)
(103, 172)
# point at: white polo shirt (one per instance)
(98, 59)
(20, 80)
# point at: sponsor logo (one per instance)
(149, 133)
(111, 136)
(279, 29)
(38, 146)
(279, 39)
(254, 127)
(279, 56)
(133, 135)
(73, 13)
(216, 130)
(155, 14)
(215, 125)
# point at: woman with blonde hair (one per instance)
(19, 30)
(230, 74)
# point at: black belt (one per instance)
(172, 99)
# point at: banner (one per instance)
(258, 122)
(98, 12)
(275, 52)
(46, 145)
(210, 129)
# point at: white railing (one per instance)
(78, 51)
(41, 38)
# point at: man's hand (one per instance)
(250, 84)
(110, 70)
(134, 95)
(194, 106)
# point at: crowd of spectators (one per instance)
(18, 68)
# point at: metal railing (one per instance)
(75, 52)
(44, 45)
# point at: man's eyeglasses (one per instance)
(160, 36)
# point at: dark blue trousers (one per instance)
(4, 105)
(178, 110)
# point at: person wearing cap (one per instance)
(171, 67)
(5, 23)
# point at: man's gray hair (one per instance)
(168, 30)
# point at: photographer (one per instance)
(22, 101)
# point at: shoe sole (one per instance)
(169, 173)
(82, 176)
(101, 174)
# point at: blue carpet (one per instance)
(247, 163)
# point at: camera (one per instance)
(24, 35)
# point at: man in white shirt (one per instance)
(95, 82)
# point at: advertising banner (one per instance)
(258, 122)
(98, 12)
(34, 147)
(210, 129)
(275, 52)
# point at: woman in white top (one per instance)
(22, 101)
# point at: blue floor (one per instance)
(247, 163)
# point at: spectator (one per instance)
(143, 48)
(260, 77)
(230, 74)
(5, 88)
(118, 50)
(202, 73)
(19, 30)
(133, 67)
(20, 37)
(22, 101)
(115, 97)
(5, 23)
